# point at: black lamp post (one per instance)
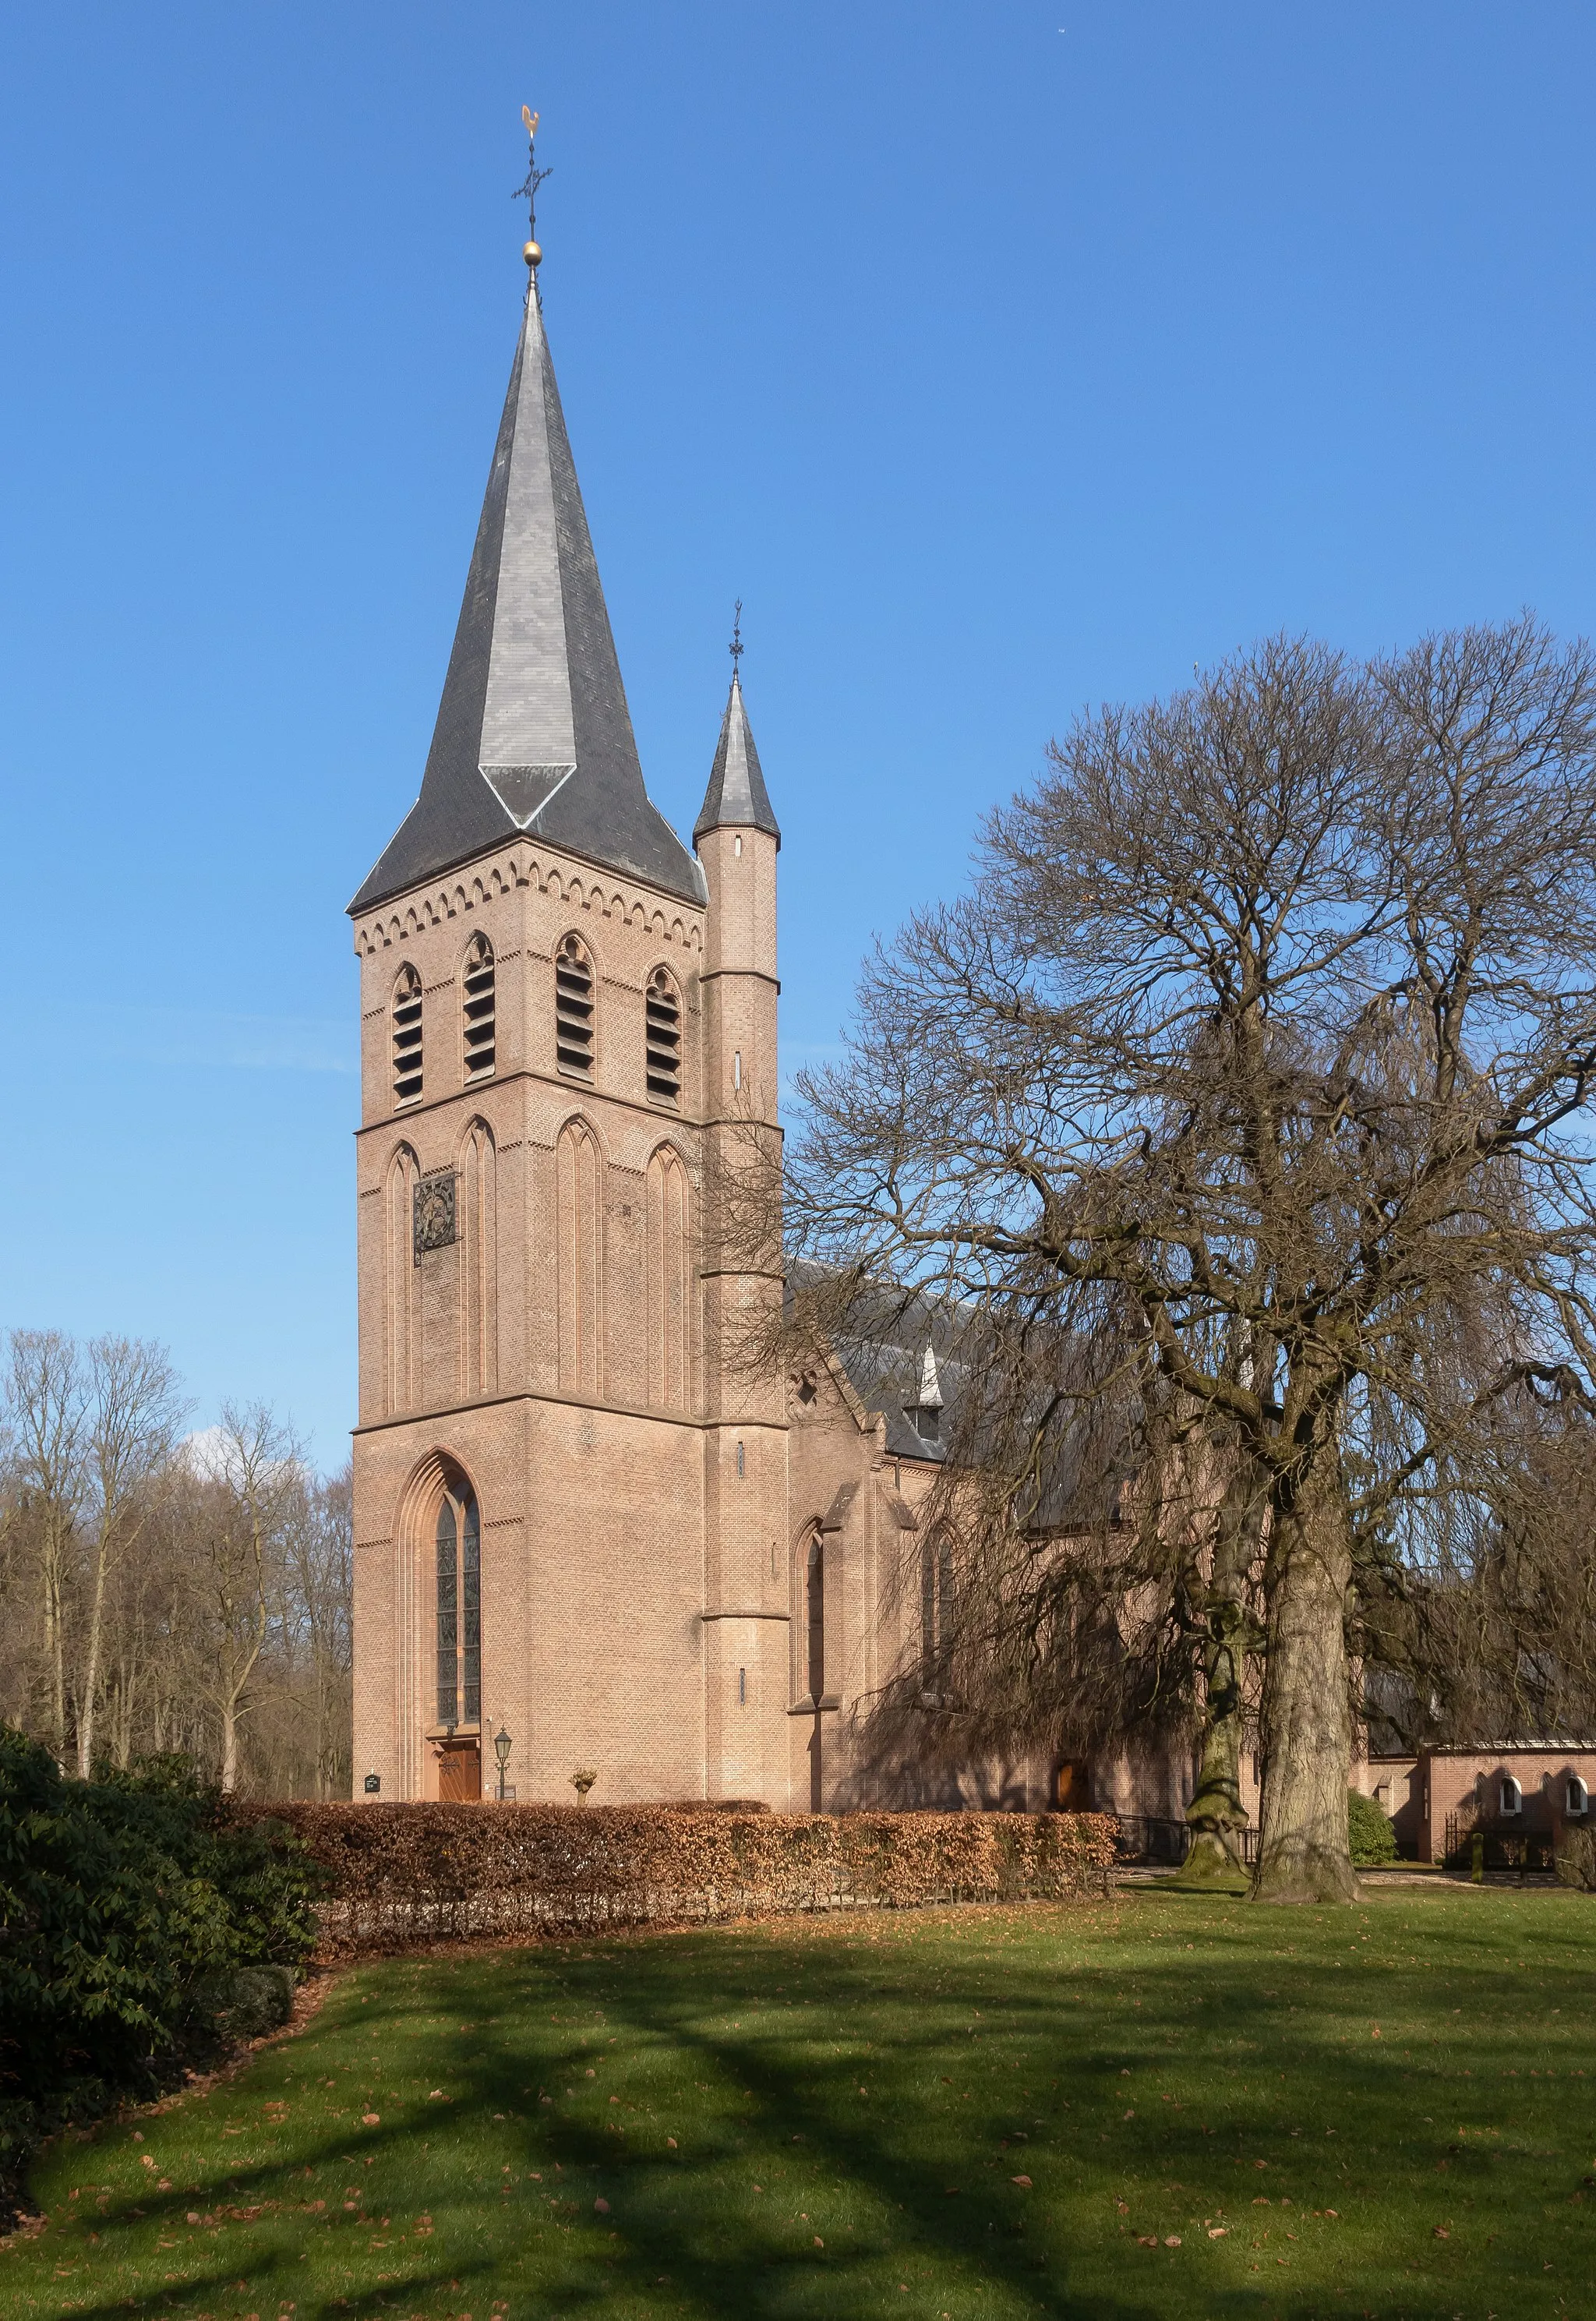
(501, 1751)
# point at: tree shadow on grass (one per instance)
(710, 2047)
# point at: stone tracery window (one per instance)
(459, 1607)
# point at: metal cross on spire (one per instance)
(527, 191)
(735, 648)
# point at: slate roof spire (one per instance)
(533, 731)
(737, 793)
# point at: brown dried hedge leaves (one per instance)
(400, 1875)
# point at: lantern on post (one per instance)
(501, 1745)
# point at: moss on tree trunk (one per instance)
(1303, 1850)
(1216, 1812)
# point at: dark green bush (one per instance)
(122, 1900)
(1370, 1831)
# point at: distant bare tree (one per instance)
(130, 1414)
(158, 1596)
(312, 1629)
(253, 1482)
(1258, 1056)
(47, 1414)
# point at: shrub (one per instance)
(1370, 1832)
(122, 1900)
(404, 1874)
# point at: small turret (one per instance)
(745, 1595)
(737, 797)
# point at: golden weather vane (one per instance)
(527, 191)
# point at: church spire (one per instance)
(736, 796)
(533, 733)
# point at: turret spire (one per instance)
(736, 796)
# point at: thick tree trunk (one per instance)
(1303, 1851)
(1216, 1812)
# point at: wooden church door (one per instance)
(459, 1772)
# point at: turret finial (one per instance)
(735, 647)
(527, 191)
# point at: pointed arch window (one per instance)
(814, 1594)
(477, 1007)
(459, 1608)
(936, 1605)
(407, 1036)
(663, 1039)
(573, 1009)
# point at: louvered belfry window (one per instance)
(407, 1036)
(662, 1032)
(573, 1009)
(459, 1609)
(478, 1002)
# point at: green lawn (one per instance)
(1153, 2107)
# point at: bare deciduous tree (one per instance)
(1260, 1051)
(158, 1596)
(131, 1413)
(47, 1407)
(255, 1478)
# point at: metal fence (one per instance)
(1503, 1845)
(1149, 1838)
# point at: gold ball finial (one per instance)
(533, 254)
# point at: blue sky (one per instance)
(1002, 359)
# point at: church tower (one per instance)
(570, 1489)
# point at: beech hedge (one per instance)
(397, 1875)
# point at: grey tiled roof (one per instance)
(533, 731)
(907, 1351)
(737, 793)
